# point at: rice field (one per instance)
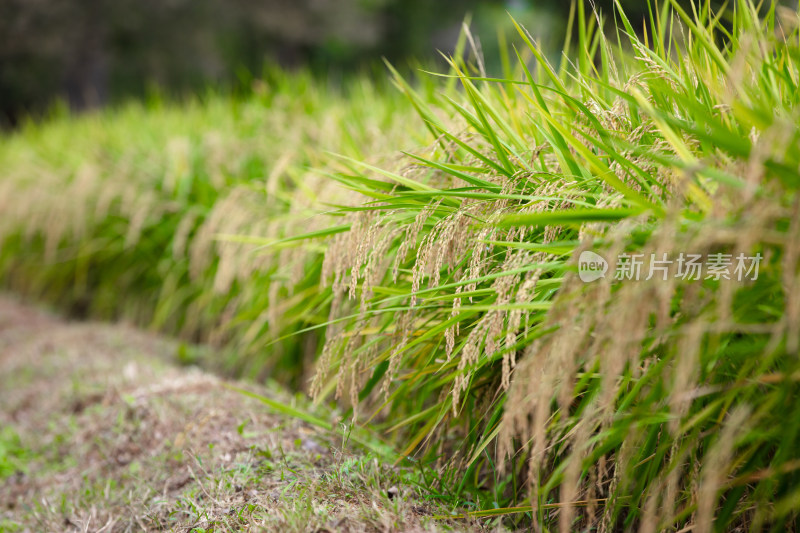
(569, 295)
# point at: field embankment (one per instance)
(101, 431)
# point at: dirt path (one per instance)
(100, 432)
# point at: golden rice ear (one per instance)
(619, 337)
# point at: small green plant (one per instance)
(13, 455)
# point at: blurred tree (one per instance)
(90, 52)
(417, 27)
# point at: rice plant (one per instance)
(138, 213)
(458, 316)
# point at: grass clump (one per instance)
(439, 292)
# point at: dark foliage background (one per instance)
(93, 52)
